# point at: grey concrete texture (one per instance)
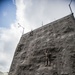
(57, 38)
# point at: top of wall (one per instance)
(57, 24)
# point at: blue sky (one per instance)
(30, 14)
(7, 13)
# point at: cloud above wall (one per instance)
(47, 11)
(30, 14)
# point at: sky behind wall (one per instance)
(30, 14)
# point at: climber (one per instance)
(48, 58)
(20, 47)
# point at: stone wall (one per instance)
(58, 39)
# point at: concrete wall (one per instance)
(58, 38)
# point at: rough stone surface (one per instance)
(58, 38)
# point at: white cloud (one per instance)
(30, 14)
(20, 14)
(9, 37)
(8, 41)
